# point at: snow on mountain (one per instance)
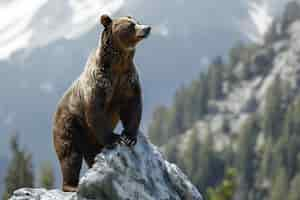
(36, 23)
(261, 14)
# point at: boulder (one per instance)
(124, 173)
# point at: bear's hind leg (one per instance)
(70, 167)
(66, 137)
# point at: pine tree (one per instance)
(280, 187)
(266, 163)
(210, 166)
(158, 128)
(202, 96)
(176, 117)
(198, 95)
(294, 192)
(226, 190)
(246, 156)
(226, 125)
(273, 114)
(235, 54)
(215, 78)
(20, 171)
(288, 145)
(191, 154)
(47, 177)
(172, 153)
(293, 146)
(189, 105)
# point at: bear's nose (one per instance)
(147, 30)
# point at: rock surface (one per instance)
(138, 173)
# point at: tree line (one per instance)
(20, 170)
(262, 161)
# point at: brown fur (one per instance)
(108, 90)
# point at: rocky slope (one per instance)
(280, 57)
(138, 173)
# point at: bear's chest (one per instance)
(117, 87)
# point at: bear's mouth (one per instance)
(142, 36)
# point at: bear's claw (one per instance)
(129, 141)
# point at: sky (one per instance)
(44, 45)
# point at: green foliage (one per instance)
(47, 177)
(20, 171)
(280, 160)
(288, 146)
(191, 102)
(246, 155)
(280, 187)
(177, 119)
(266, 164)
(158, 129)
(190, 105)
(273, 113)
(226, 126)
(172, 153)
(211, 165)
(201, 162)
(192, 154)
(294, 192)
(241, 53)
(226, 190)
(266, 150)
(215, 78)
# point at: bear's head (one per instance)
(125, 32)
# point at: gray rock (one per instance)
(42, 194)
(138, 173)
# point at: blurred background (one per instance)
(208, 73)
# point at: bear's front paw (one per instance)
(129, 141)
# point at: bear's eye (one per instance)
(131, 26)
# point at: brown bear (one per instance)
(108, 90)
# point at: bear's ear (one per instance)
(106, 20)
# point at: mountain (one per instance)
(33, 79)
(126, 173)
(241, 114)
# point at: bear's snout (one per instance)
(143, 31)
(147, 31)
